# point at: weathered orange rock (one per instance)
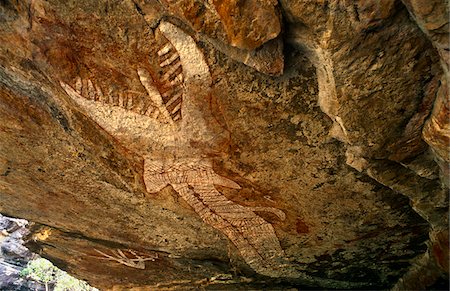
(80, 157)
(432, 17)
(249, 23)
(247, 31)
(268, 58)
(363, 72)
(411, 143)
(437, 130)
(440, 249)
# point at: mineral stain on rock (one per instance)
(301, 227)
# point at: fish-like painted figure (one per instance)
(166, 119)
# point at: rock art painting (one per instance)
(127, 258)
(164, 119)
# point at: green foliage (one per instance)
(65, 282)
(43, 271)
(40, 270)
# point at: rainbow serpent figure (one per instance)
(164, 119)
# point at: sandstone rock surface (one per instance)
(203, 144)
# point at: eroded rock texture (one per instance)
(229, 144)
(14, 256)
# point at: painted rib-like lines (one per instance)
(171, 79)
(129, 100)
(182, 73)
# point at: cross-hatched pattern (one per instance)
(182, 75)
(194, 181)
